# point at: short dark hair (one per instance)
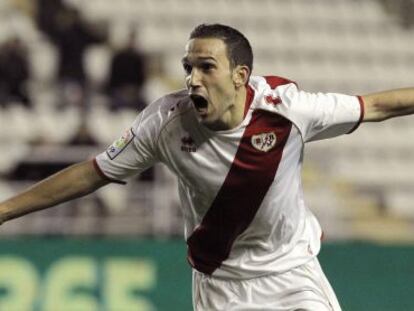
(239, 50)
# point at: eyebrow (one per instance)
(185, 59)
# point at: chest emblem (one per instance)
(264, 141)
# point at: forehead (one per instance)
(206, 48)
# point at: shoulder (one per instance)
(150, 122)
(165, 108)
(275, 81)
(273, 93)
(169, 103)
(269, 82)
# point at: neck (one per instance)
(234, 115)
(238, 108)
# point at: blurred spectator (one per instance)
(83, 136)
(14, 73)
(46, 15)
(402, 9)
(27, 7)
(158, 81)
(407, 13)
(72, 36)
(127, 77)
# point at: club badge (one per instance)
(264, 141)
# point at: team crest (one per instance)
(264, 141)
(120, 144)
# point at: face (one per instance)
(210, 80)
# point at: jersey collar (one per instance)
(249, 100)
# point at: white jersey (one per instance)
(240, 189)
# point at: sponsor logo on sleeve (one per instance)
(264, 141)
(120, 144)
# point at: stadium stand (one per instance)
(343, 46)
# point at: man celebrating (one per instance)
(235, 143)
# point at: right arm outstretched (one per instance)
(73, 182)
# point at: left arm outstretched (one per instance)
(388, 104)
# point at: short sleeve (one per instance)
(133, 152)
(321, 115)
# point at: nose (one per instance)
(193, 79)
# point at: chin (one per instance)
(215, 125)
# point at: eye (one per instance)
(187, 68)
(206, 66)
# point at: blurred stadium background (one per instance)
(121, 248)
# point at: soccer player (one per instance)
(235, 142)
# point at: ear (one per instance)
(241, 75)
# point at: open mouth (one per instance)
(200, 103)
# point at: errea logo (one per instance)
(264, 141)
(188, 144)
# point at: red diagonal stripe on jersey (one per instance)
(247, 182)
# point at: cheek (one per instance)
(223, 88)
(226, 92)
(220, 89)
